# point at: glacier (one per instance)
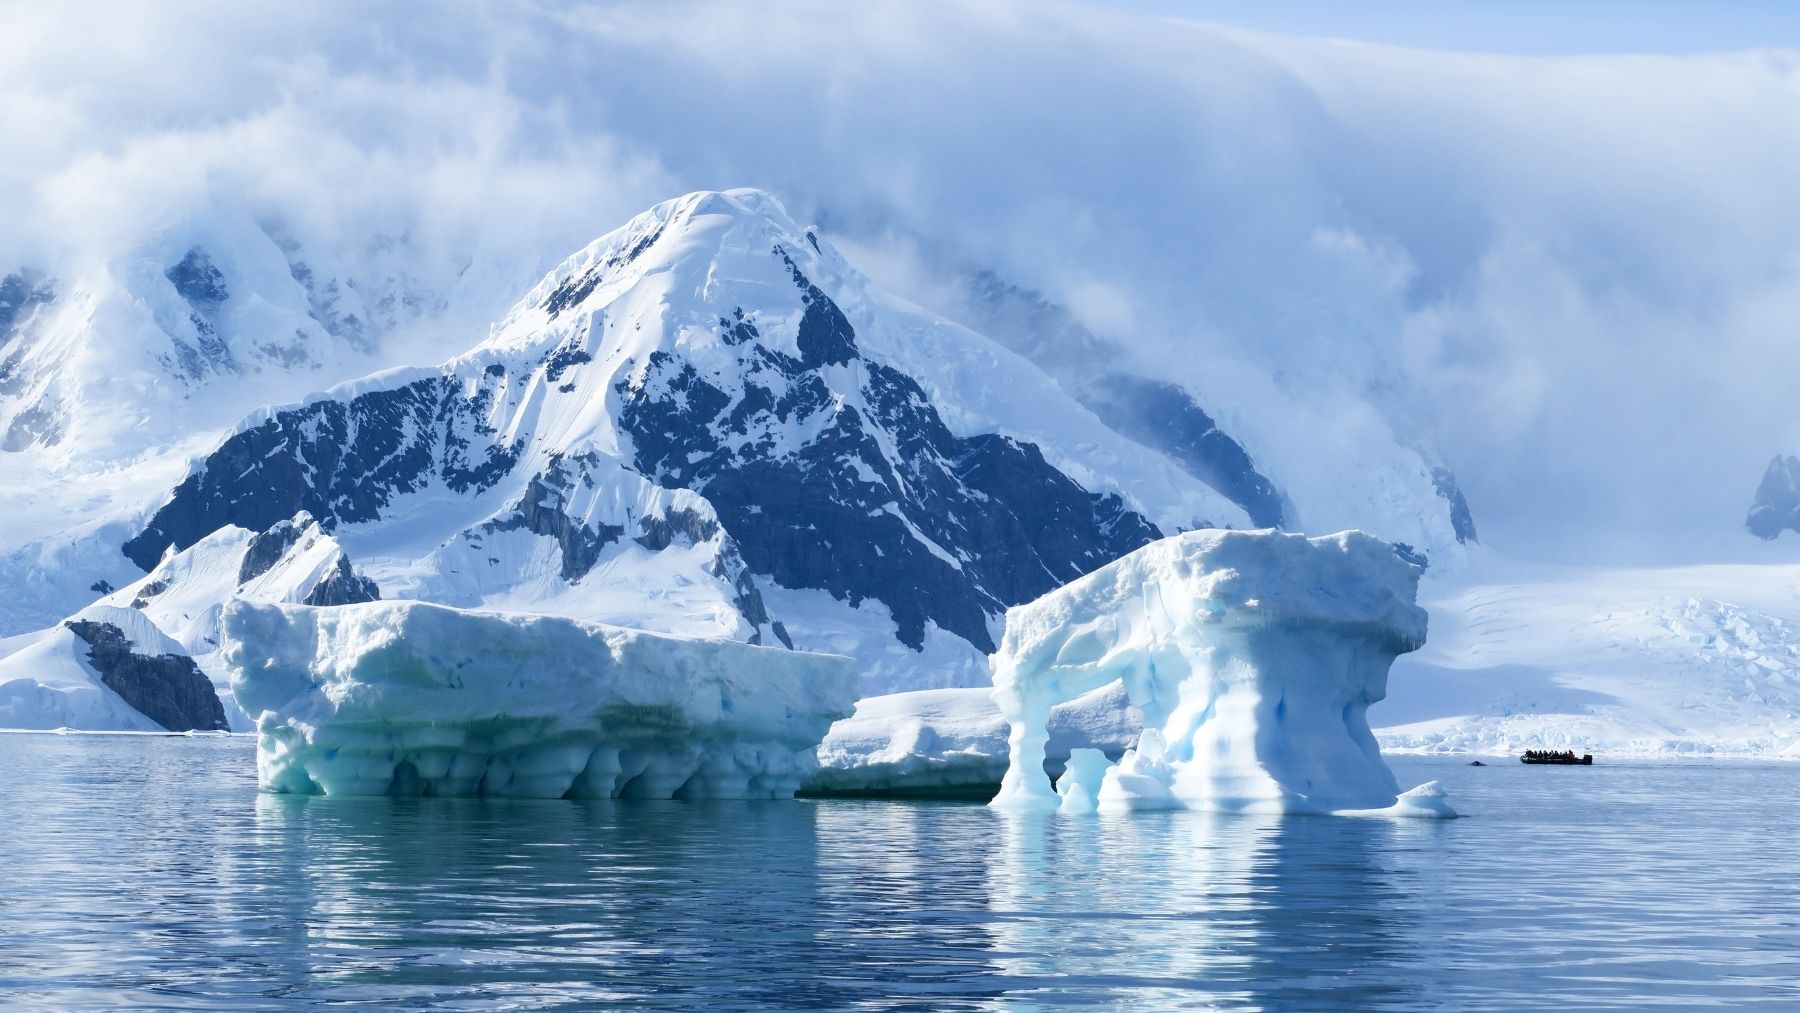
(410, 698)
(1253, 657)
(1671, 661)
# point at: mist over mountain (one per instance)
(1564, 280)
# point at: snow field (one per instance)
(1649, 661)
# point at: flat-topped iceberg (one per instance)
(411, 698)
(1254, 657)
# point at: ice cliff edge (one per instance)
(409, 698)
(1254, 656)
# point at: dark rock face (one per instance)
(859, 489)
(38, 425)
(166, 688)
(540, 512)
(198, 281)
(267, 547)
(149, 591)
(342, 586)
(1165, 417)
(1776, 507)
(202, 284)
(1462, 522)
(658, 533)
(954, 531)
(20, 293)
(1154, 413)
(825, 336)
(340, 461)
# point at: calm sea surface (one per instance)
(149, 871)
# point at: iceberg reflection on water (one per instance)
(213, 895)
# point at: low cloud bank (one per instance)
(1577, 277)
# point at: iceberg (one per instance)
(1253, 657)
(952, 742)
(410, 698)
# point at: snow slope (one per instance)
(46, 682)
(118, 368)
(49, 679)
(1296, 450)
(1669, 661)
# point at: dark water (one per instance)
(148, 871)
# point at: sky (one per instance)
(1524, 27)
(1576, 278)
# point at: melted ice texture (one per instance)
(1253, 655)
(408, 698)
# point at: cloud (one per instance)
(1574, 276)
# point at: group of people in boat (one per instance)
(1545, 754)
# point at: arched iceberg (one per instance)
(1254, 656)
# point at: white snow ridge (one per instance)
(409, 698)
(1254, 657)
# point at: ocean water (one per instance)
(145, 870)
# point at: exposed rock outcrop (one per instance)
(169, 689)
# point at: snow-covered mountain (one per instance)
(1344, 445)
(1776, 506)
(145, 656)
(182, 334)
(708, 423)
(116, 369)
(1634, 661)
(1412, 496)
